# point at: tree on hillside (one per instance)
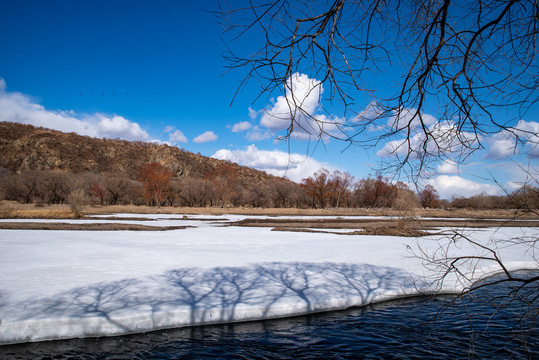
(118, 186)
(281, 193)
(195, 191)
(98, 191)
(257, 195)
(224, 178)
(155, 179)
(54, 187)
(28, 185)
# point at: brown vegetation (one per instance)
(85, 227)
(25, 148)
(377, 225)
(16, 210)
(45, 167)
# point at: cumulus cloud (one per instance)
(241, 126)
(257, 133)
(298, 111)
(119, 127)
(19, 108)
(279, 163)
(205, 137)
(530, 131)
(444, 138)
(447, 167)
(177, 137)
(410, 118)
(253, 114)
(504, 143)
(372, 112)
(501, 147)
(449, 186)
(169, 129)
(252, 133)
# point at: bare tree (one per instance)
(318, 188)
(155, 179)
(342, 184)
(28, 185)
(77, 199)
(117, 186)
(195, 191)
(429, 197)
(376, 192)
(459, 60)
(461, 258)
(54, 187)
(453, 66)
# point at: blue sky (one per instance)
(154, 71)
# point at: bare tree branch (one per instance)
(457, 60)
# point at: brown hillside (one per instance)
(25, 148)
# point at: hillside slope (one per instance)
(25, 148)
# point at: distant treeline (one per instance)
(157, 185)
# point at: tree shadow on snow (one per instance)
(191, 296)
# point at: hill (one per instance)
(26, 148)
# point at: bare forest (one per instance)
(47, 167)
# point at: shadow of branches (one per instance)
(190, 296)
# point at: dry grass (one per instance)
(435, 213)
(372, 223)
(12, 210)
(33, 212)
(338, 219)
(85, 227)
(378, 226)
(381, 230)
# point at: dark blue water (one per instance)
(485, 325)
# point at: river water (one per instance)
(485, 325)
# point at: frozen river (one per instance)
(68, 284)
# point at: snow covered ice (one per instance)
(66, 284)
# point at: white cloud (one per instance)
(120, 127)
(501, 146)
(448, 186)
(253, 114)
(279, 163)
(444, 138)
(205, 137)
(252, 133)
(169, 129)
(257, 134)
(448, 167)
(177, 137)
(299, 111)
(529, 131)
(372, 112)
(504, 145)
(242, 126)
(19, 108)
(410, 118)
